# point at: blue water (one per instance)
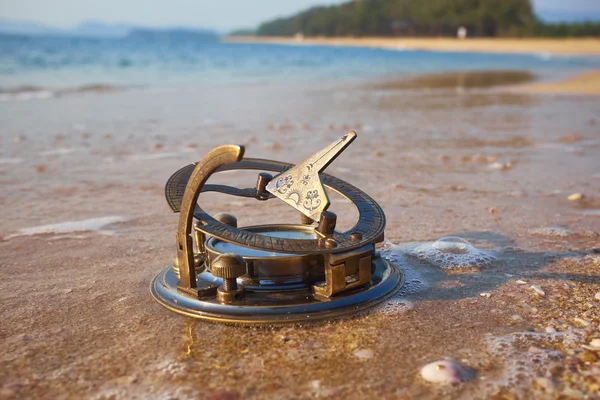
(63, 62)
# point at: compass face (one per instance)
(279, 272)
(266, 270)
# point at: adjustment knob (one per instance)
(228, 266)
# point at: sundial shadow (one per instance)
(512, 263)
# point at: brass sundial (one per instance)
(274, 273)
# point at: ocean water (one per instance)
(70, 63)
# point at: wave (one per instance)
(30, 92)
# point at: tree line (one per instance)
(483, 18)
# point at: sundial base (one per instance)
(280, 306)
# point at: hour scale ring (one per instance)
(369, 227)
(280, 272)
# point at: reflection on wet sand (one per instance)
(458, 80)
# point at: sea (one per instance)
(40, 66)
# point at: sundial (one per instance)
(281, 272)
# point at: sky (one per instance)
(222, 15)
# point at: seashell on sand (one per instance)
(538, 290)
(594, 345)
(364, 354)
(576, 197)
(446, 372)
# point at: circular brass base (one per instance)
(276, 307)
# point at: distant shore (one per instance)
(574, 46)
(586, 83)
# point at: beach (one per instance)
(565, 46)
(86, 227)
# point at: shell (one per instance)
(538, 290)
(594, 345)
(446, 372)
(364, 354)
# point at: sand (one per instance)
(493, 167)
(585, 46)
(586, 83)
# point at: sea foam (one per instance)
(452, 252)
(87, 225)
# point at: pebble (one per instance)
(538, 290)
(516, 318)
(19, 139)
(594, 345)
(575, 197)
(501, 166)
(529, 308)
(486, 294)
(520, 282)
(597, 296)
(581, 321)
(550, 329)
(364, 354)
(446, 372)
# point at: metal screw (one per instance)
(356, 236)
(229, 266)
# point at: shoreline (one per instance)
(585, 83)
(568, 46)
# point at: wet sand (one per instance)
(490, 166)
(587, 83)
(456, 80)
